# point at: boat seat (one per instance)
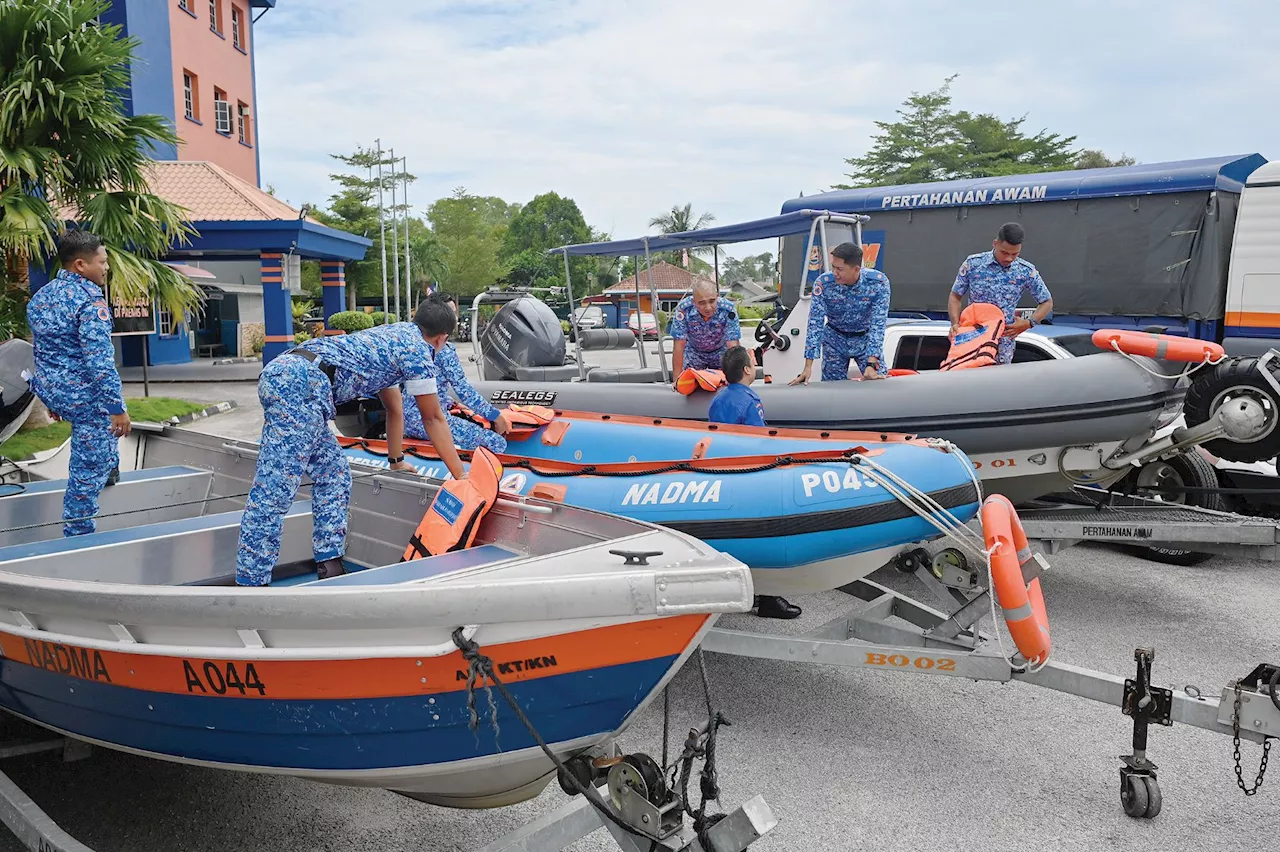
(564, 373)
(632, 375)
(420, 569)
(156, 473)
(144, 554)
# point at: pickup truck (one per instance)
(923, 344)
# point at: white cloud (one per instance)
(733, 105)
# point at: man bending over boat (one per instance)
(705, 325)
(437, 326)
(299, 390)
(737, 404)
(847, 318)
(76, 376)
(1000, 277)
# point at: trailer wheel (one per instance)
(1237, 382)
(1187, 469)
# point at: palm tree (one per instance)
(69, 151)
(680, 220)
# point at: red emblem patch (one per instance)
(104, 314)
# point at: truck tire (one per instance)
(1187, 469)
(1235, 379)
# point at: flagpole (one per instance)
(408, 255)
(395, 234)
(382, 232)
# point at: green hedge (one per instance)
(349, 321)
(378, 317)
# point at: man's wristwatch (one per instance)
(395, 460)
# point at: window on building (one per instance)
(237, 29)
(185, 5)
(164, 322)
(215, 16)
(221, 112)
(242, 121)
(190, 101)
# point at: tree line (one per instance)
(69, 151)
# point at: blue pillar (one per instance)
(333, 279)
(277, 309)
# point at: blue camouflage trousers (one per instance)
(296, 441)
(466, 435)
(94, 454)
(1004, 354)
(837, 352)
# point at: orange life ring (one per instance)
(1164, 346)
(1022, 602)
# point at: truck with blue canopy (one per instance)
(1191, 246)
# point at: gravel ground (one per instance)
(846, 759)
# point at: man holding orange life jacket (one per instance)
(1000, 277)
(299, 391)
(704, 326)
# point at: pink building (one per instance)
(197, 70)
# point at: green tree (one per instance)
(547, 222)
(471, 229)
(1091, 158)
(680, 220)
(757, 267)
(931, 142)
(69, 151)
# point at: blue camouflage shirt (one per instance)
(706, 335)
(75, 361)
(862, 307)
(368, 362)
(736, 404)
(983, 279)
(449, 374)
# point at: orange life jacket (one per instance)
(453, 518)
(457, 409)
(977, 341)
(527, 419)
(708, 380)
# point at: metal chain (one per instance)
(1266, 749)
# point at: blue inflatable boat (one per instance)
(806, 514)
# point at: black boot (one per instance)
(114, 476)
(774, 606)
(330, 568)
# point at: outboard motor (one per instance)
(523, 334)
(16, 398)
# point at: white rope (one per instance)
(1190, 366)
(1026, 666)
(926, 506)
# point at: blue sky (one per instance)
(629, 107)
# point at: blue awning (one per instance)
(794, 222)
(1227, 174)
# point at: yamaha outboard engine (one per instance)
(16, 398)
(523, 336)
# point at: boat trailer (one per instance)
(889, 632)
(639, 811)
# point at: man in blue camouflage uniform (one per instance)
(846, 319)
(1000, 277)
(75, 372)
(704, 326)
(299, 391)
(449, 374)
